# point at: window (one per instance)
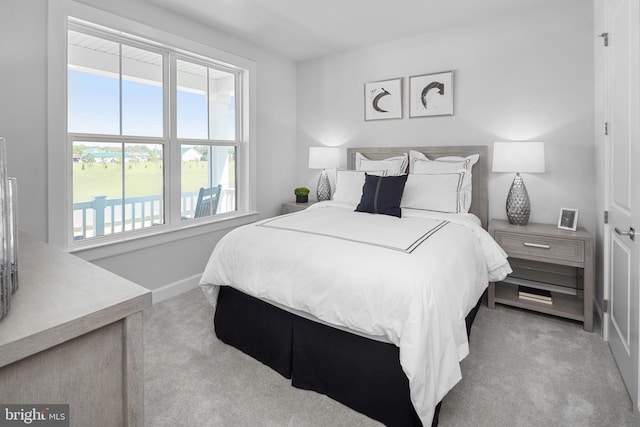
(206, 124)
(143, 118)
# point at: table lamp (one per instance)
(527, 157)
(323, 158)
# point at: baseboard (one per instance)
(176, 288)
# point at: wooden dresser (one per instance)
(73, 336)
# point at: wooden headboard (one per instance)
(479, 177)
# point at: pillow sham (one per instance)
(419, 163)
(435, 192)
(393, 166)
(382, 195)
(349, 186)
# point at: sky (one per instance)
(93, 107)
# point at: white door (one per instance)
(623, 186)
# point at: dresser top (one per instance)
(61, 297)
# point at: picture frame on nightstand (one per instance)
(568, 219)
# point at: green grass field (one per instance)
(143, 179)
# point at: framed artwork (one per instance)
(431, 95)
(568, 219)
(383, 100)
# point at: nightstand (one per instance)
(291, 207)
(545, 257)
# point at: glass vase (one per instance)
(13, 232)
(5, 257)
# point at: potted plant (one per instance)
(302, 194)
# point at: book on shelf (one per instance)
(534, 293)
(543, 301)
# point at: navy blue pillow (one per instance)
(382, 194)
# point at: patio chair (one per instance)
(208, 199)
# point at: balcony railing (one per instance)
(103, 216)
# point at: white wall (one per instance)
(23, 121)
(528, 77)
(23, 102)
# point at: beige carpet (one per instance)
(524, 369)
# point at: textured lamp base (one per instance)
(518, 204)
(324, 187)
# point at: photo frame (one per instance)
(568, 219)
(431, 95)
(383, 99)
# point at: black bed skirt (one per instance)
(360, 373)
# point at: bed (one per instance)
(373, 310)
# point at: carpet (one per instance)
(524, 369)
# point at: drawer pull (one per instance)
(536, 245)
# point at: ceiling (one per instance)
(305, 29)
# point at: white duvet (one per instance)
(409, 280)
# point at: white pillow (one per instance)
(393, 166)
(434, 192)
(419, 164)
(349, 186)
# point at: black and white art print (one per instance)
(431, 95)
(383, 100)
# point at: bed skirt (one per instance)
(360, 373)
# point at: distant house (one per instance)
(100, 156)
(190, 155)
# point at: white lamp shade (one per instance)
(518, 157)
(323, 157)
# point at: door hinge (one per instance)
(605, 36)
(605, 306)
(606, 217)
(606, 128)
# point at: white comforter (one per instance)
(411, 280)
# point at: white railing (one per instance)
(103, 216)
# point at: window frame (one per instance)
(209, 141)
(65, 15)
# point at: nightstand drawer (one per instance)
(548, 247)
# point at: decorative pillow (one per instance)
(349, 186)
(382, 195)
(435, 192)
(393, 166)
(419, 164)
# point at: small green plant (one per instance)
(301, 191)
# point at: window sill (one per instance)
(101, 250)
